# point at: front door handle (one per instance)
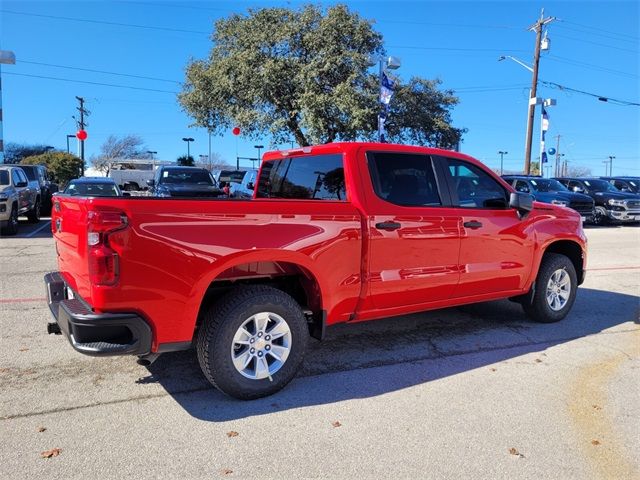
(388, 226)
(472, 224)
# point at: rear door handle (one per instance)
(472, 224)
(388, 226)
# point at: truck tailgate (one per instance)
(69, 226)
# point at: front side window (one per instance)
(16, 177)
(404, 179)
(475, 187)
(521, 186)
(319, 177)
(4, 177)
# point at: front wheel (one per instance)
(252, 342)
(12, 223)
(555, 289)
(600, 216)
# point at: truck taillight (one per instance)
(104, 266)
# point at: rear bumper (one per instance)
(103, 334)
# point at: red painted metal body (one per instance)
(172, 251)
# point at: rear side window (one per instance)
(319, 177)
(475, 187)
(30, 172)
(404, 179)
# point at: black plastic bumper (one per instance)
(98, 335)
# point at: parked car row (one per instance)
(598, 200)
(24, 190)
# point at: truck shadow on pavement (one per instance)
(413, 350)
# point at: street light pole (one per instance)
(188, 140)
(9, 58)
(611, 157)
(502, 154)
(258, 147)
(68, 137)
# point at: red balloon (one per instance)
(236, 130)
(81, 135)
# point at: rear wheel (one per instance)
(34, 213)
(252, 342)
(12, 223)
(555, 290)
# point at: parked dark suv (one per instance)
(625, 184)
(39, 179)
(183, 182)
(548, 190)
(611, 203)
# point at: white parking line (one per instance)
(47, 223)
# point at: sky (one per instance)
(137, 52)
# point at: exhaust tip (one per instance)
(146, 360)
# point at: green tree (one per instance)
(185, 161)
(62, 166)
(305, 74)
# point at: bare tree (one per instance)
(216, 162)
(578, 171)
(129, 146)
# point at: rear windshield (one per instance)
(30, 171)
(92, 189)
(319, 177)
(233, 176)
(178, 177)
(4, 177)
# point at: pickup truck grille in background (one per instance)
(633, 204)
(582, 207)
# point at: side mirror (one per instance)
(523, 202)
(151, 182)
(250, 186)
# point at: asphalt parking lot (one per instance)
(473, 392)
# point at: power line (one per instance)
(579, 30)
(89, 83)
(589, 27)
(101, 71)
(598, 44)
(412, 47)
(103, 22)
(570, 61)
(602, 98)
(448, 25)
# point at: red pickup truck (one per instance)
(335, 233)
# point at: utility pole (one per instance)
(536, 27)
(611, 157)
(82, 126)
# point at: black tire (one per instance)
(34, 213)
(216, 338)
(12, 223)
(539, 309)
(600, 217)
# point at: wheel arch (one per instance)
(570, 249)
(295, 276)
